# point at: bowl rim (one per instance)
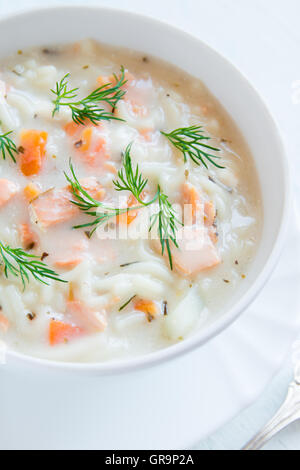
(225, 320)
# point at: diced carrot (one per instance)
(31, 191)
(191, 198)
(86, 139)
(71, 291)
(60, 332)
(29, 239)
(8, 189)
(148, 307)
(53, 207)
(4, 323)
(33, 143)
(88, 318)
(126, 218)
(129, 217)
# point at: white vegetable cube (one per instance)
(185, 317)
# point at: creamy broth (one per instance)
(121, 298)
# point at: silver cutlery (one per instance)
(287, 414)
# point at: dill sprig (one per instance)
(21, 264)
(62, 93)
(90, 206)
(190, 141)
(7, 146)
(130, 179)
(167, 224)
(126, 303)
(88, 107)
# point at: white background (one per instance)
(262, 37)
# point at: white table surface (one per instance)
(261, 37)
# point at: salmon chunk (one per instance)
(53, 207)
(29, 239)
(4, 323)
(33, 145)
(8, 189)
(93, 151)
(209, 213)
(68, 262)
(103, 80)
(72, 257)
(72, 128)
(196, 251)
(88, 318)
(90, 143)
(93, 188)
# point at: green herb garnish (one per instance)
(167, 223)
(88, 107)
(7, 146)
(190, 141)
(130, 179)
(21, 264)
(127, 303)
(90, 206)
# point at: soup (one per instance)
(130, 208)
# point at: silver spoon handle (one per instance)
(287, 414)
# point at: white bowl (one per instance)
(67, 24)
